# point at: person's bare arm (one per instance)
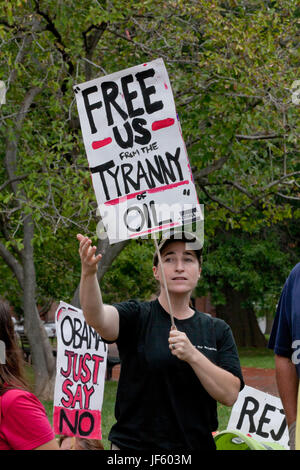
(222, 385)
(103, 318)
(287, 384)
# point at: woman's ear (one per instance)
(155, 272)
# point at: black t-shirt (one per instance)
(161, 404)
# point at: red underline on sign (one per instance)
(64, 308)
(60, 311)
(168, 186)
(162, 124)
(155, 229)
(118, 200)
(101, 143)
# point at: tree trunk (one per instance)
(242, 320)
(41, 350)
(109, 254)
(269, 322)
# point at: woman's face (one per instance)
(181, 268)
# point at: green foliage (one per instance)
(130, 276)
(255, 264)
(231, 65)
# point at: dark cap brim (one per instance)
(192, 243)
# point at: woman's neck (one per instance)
(180, 305)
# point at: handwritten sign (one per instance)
(81, 366)
(261, 415)
(137, 157)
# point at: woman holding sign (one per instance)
(172, 372)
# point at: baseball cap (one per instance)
(192, 243)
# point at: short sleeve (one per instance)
(228, 358)
(280, 338)
(24, 421)
(286, 326)
(128, 316)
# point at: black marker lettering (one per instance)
(115, 177)
(110, 93)
(159, 172)
(76, 426)
(154, 172)
(74, 329)
(141, 173)
(279, 435)
(101, 169)
(90, 107)
(76, 333)
(175, 159)
(62, 327)
(168, 172)
(126, 170)
(63, 417)
(130, 96)
(138, 125)
(154, 216)
(147, 91)
(250, 412)
(85, 431)
(263, 419)
(141, 214)
(124, 144)
(147, 216)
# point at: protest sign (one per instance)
(137, 157)
(81, 366)
(261, 415)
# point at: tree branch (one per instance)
(265, 192)
(17, 178)
(216, 165)
(12, 145)
(90, 42)
(13, 264)
(60, 46)
(259, 136)
(290, 198)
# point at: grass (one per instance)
(257, 357)
(249, 357)
(262, 358)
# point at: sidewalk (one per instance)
(262, 379)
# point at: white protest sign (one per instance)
(80, 378)
(137, 157)
(261, 415)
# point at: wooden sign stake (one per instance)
(165, 283)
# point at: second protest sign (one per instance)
(80, 379)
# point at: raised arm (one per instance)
(103, 318)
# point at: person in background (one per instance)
(171, 377)
(79, 443)
(285, 341)
(23, 421)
